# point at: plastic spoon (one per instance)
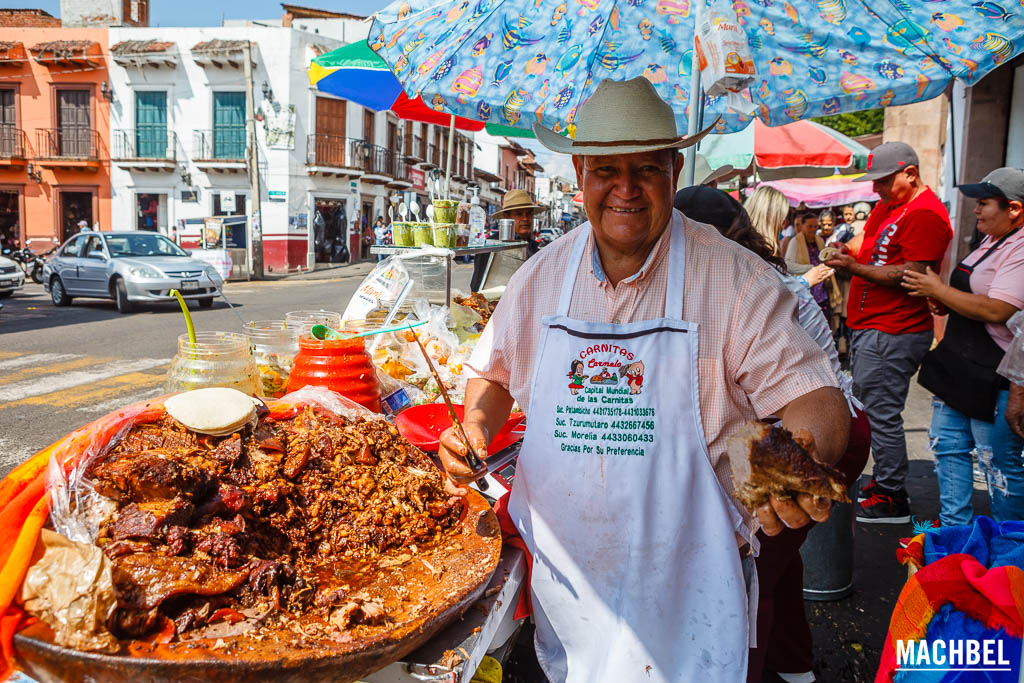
(415, 210)
(430, 213)
(323, 332)
(403, 211)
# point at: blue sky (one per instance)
(206, 13)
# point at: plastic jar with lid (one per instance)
(341, 365)
(274, 345)
(216, 359)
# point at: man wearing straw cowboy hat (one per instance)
(520, 207)
(637, 345)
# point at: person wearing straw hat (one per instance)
(624, 497)
(703, 174)
(520, 207)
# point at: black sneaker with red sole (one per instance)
(867, 491)
(884, 507)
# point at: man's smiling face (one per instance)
(628, 197)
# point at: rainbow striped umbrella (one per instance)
(354, 72)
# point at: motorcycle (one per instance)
(30, 262)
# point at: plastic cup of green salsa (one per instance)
(445, 210)
(401, 234)
(422, 234)
(444, 235)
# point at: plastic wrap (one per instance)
(77, 510)
(1012, 366)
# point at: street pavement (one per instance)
(63, 367)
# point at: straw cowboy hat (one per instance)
(621, 117)
(515, 200)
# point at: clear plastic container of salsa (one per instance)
(303, 321)
(274, 345)
(216, 359)
(341, 365)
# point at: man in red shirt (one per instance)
(890, 330)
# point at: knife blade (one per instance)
(472, 458)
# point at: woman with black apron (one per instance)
(984, 290)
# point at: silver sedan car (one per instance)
(128, 267)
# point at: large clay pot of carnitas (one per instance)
(333, 608)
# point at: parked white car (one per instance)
(12, 277)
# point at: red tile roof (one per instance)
(218, 45)
(138, 47)
(28, 18)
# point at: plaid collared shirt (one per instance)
(754, 357)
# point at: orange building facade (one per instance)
(54, 134)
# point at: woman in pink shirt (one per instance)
(984, 290)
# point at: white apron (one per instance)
(636, 573)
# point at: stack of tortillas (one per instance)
(217, 411)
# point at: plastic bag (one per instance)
(77, 510)
(378, 290)
(726, 65)
(1012, 366)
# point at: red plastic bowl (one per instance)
(422, 426)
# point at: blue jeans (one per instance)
(952, 437)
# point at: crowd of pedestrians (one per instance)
(869, 281)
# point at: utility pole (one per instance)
(254, 221)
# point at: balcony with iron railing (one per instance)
(333, 155)
(338, 155)
(68, 147)
(13, 143)
(145, 148)
(221, 148)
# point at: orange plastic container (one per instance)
(343, 366)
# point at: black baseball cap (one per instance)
(707, 205)
(1003, 182)
(888, 158)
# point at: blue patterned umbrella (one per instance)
(518, 61)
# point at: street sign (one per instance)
(418, 178)
(277, 195)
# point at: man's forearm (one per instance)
(488, 404)
(890, 276)
(825, 414)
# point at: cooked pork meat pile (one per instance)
(781, 464)
(211, 526)
(479, 303)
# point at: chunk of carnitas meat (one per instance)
(358, 611)
(780, 464)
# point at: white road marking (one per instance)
(44, 385)
(37, 359)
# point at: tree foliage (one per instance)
(855, 123)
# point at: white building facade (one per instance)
(327, 168)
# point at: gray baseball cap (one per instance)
(1003, 182)
(888, 158)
